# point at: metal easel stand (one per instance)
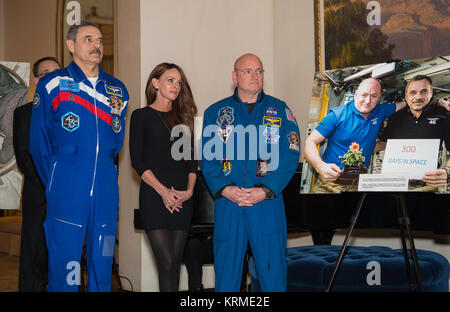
(404, 223)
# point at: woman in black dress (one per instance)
(167, 184)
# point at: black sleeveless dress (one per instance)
(150, 148)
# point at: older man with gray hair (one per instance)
(77, 129)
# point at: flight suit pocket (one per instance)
(64, 235)
(106, 239)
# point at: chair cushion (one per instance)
(310, 267)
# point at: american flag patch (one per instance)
(290, 116)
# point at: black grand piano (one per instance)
(323, 214)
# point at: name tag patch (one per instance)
(271, 135)
(69, 85)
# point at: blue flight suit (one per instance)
(246, 164)
(76, 131)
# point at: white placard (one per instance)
(382, 183)
(410, 157)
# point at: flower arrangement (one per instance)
(353, 157)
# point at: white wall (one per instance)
(294, 58)
(205, 37)
(128, 69)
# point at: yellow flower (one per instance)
(354, 147)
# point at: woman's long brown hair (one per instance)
(183, 108)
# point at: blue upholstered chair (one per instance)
(362, 269)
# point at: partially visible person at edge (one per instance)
(421, 119)
(33, 267)
(167, 184)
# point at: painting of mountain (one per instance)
(407, 29)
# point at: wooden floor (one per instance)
(9, 275)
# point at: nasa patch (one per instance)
(272, 111)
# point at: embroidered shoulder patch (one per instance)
(116, 105)
(111, 90)
(36, 100)
(293, 141)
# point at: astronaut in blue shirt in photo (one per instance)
(357, 121)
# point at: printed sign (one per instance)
(411, 158)
(382, 183)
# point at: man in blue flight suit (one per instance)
(247, 180)
(77, 128)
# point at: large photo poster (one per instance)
(358, 113)
(14, 82)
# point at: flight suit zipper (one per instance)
(51, 178)
(97, 146)
(67, 222)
